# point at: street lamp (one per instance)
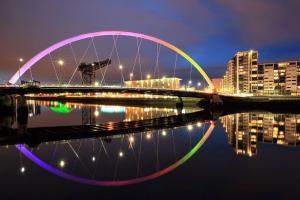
(121, 69)
(148, 76)
(131, 75)
(21, 60)
(60, 62)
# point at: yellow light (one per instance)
(96, 83)
(148, 76)
(60, 62)
(190, 127)
(62, 163)
(96, 113)
(131, 139)
(121, 154)
(199, 124)
(148, 136)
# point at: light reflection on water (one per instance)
(239, 141)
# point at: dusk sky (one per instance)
(210, 31)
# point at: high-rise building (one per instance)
(244, 75)
(238, 77)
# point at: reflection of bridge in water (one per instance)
(35, 136)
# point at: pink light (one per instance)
(60, 44)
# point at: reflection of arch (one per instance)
(65, 175)
(58, 45)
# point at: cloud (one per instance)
(264, 22)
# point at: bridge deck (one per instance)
(85, 89)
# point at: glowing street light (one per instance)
(62, 163)
(93, 158)
(199, 124)
(148, 76)
(199, 84)
(131, 139)
(20, 61)
(164, 133)
(190, 127)
(22, 170)
(148, 136)
(96, 83)
(121, 154)
(60, 62)
(190, 82)
(120, 67)
(96, 113)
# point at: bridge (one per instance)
(94, 89)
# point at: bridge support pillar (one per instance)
(215, 100)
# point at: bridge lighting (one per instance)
(96, 83)
(21, 60)
(121, 154)
(164, 133)
(199, 84)
(199, 124)
(148, 76)
(190, 127)
(60, 62)
(120, 67)
(22, 170)
(62, 163)
(190, 82)
(93, 158)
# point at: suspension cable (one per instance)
(53, 65)
(156, 69)
(75, 59)
(83, 56)
(110, 56)
(97, 55)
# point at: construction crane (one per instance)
(88, 70)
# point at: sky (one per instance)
(210, 31)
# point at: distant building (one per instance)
(238, 77)
(244, 76)
(164, 83)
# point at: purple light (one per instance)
(58, 45)
(57, 172)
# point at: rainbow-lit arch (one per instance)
(60, 44)
(157, 174)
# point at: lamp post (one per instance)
(121, 69)
(21, 60)
(60, 63)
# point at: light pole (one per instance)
(21, 60)
(60, 63)
(121, 69)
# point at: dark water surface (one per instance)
(240, 156)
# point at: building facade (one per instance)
(245, 76)
(164, 83)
